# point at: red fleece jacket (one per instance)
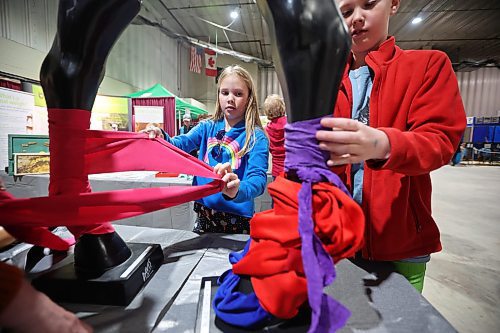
(415, 100)
(276, 131)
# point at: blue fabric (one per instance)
(251, 168)
(236, 308)
(362, 84)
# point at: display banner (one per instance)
(16, 117)
(110, 113)
(40, 115)
(470, 121)
(145, 115)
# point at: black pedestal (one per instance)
(117, 286)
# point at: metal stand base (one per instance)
(117, 286)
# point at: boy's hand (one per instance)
(231, 179)
(350, 141)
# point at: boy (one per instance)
(398, 116)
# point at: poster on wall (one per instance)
(110, 114)
(40, 115)
(16, 117)
(144, 115)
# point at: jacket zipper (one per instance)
(418, 226)
(372, 123)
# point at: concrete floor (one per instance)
(463, 280)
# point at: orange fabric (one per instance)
(274, 261)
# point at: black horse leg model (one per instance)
(70, 76)
(310, 48)
(105, 269)
(75, 65)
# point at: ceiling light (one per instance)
(416, 20)
(234, 14)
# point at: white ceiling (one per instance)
(467, 30)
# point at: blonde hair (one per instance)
(252, 119)
(274, 107)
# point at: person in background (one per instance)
(457, 156)
(234, 143)
(185, 128)
(398, 117)
(274, 109)
(204, 116)
(186, 124)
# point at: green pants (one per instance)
(414, 272)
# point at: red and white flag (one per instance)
(210, 67)
(196, 59)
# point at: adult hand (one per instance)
(231, 180)
(32, 311)
(153, 132)
(351, 141)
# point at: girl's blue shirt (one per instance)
(212, 149)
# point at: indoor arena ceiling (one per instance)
(467, 30)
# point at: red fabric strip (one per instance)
(77, 152)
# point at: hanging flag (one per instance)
(210, 67)
(196, 59)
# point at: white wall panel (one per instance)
(15, 15)
(143, 56)
(480, 91)
(29, 22)
(268, 83)
(203, 88)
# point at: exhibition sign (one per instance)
(16, 117)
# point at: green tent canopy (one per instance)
(181, 106)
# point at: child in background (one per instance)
(398, 117)
(234, 142)
(274, 109)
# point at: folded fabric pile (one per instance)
(290, 256)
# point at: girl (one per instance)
(233, 141)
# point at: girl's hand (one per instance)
(153, 132)
(231, 179)
(350, 141)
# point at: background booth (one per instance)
(482, 140)
(158, 105)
